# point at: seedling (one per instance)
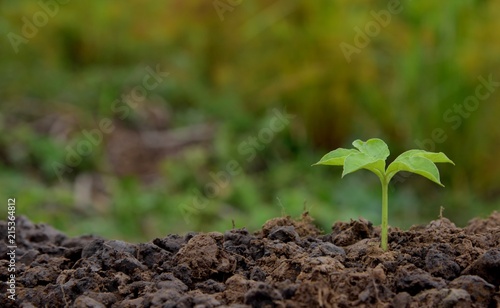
(371, 155)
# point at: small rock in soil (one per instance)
(441, 265)
(487, 266)
(202, 255)
(284, 234)
(328, 249)
(479, 290)
(261, 295)
(172, 243)
(414, 280)
(83, 301)
(169, 281)
(456, 298)
(345, 234)
(402, 300)
(183, 272)
(29, 256)
(257, 274)
(210, 286)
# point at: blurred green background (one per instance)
(411, 76)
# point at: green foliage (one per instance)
(371, 155)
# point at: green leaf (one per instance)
(416, 164)
(419, 162)
(434, 157)
(359, 160)
(336, 157)
(374, 147)
(371, 156)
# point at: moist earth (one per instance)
(288, 263)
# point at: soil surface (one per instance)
(287, 263)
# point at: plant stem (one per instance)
(385, 215)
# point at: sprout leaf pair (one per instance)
(371, 155)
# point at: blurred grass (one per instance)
(265, 54)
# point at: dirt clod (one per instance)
(441, 265)
(480, 291)
(487, 266)
(284, 234)
(288, 263)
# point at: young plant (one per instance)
(371, 155)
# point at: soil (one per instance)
(288, 263)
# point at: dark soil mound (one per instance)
(286, 264)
